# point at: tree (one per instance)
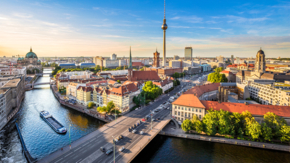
(255, 130)
(195, 122)
(28, 72)
(186, 125)
(115, 111)
(237, 123)
(110, 106)
(267, 133)
(285, 134)
(91, 104)
(225, 123)
(102, 109)
(275, 123)
(151, 90)
(210, 122)
(178, 82)
(199, 127)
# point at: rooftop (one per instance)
(199, 90)
(188, 100)
(11, 83)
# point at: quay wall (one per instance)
(285, 148)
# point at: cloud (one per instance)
(22, 15)
(190, 19)
(3, 18)
(96, 8)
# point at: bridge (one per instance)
(34, 84)
(87, 148)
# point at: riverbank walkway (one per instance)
(171, 130)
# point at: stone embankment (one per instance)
(78, 107)
(169, 130)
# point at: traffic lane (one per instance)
(119, 156)
(143, 113)
(131, 139)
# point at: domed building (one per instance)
(31, 62)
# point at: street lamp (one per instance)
(69, 137)
(114, 148)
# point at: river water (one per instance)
(41, 140)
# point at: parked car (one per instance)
(103, 149)
(121, 149)
(134, 131)
(141, 132)
(109, 152)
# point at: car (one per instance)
(116, 140)
(120, 137)
(141, 132)
(103, 149)
(153, 119)
(134, 131)
(109, 152)
(121, 149)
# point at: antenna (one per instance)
(164, 9)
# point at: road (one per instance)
(87, 149)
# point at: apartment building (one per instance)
(267, 94)
(84, 95)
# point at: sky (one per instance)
(71, 28)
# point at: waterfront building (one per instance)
(188, 105)
(71, 89)
(84, 95)
(12, 89)
(188, 53)
(122, 96)
(31, 62)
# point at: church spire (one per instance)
(130, 61)
(30, 49)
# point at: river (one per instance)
(41, 140)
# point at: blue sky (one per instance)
(100, 28)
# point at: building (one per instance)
(232, 59)
(67, 65)
(175, 57)
(188, 53)
(175, 64)
(137, 65)
(84, 95)
(205, 67)
(87, 65)
(71, 89)
(123, 96)
(192, 70)
(164, 84)
(31, 62)
(12, 92)
(98, 61)
(205, 92)
(164, 71)
(220, 59)
(267, 94)
(13, 71)
(113, 57)
(188, 105)
(156, 59)
(230, 76)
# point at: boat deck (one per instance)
(54, 123)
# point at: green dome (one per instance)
(31, 54)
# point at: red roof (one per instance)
(145, 75)
(85, 89)
(162, 83)
(225, 72)
(188, 100)
(255, 109)
(124, 89)
(135, 64)
(199, 90)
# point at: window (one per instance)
(181, 108)
(185, 109)
(196, 110)
(178, 107)
(200, 110)
(185, 114)
(178, 113)
(188, 109)
(199, 116)
(175, 113)
(175, 107)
